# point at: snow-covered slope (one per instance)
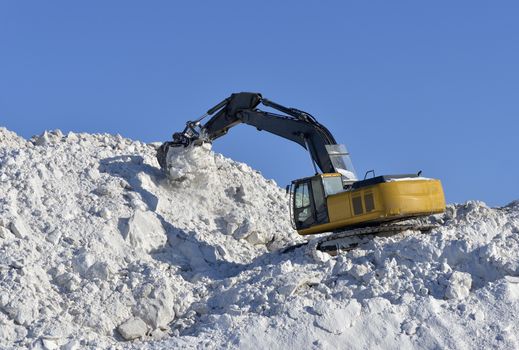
(98, 246)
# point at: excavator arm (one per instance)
(295, 125)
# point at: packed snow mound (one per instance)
(9, 139)
(93, 236)
(99, 248)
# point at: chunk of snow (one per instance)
(144, 231)
(19, 228)
(459, 285)
(132, 329)
(336, 319)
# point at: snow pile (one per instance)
(9, 139)
(96, 242)
(99, 248)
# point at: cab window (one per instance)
(332, 185)
(302, 196)
(302, 207)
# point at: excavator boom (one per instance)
(294, 125)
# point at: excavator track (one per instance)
(337, 242)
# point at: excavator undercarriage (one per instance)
(332, 200)
(342, 241)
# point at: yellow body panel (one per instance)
(381, 202)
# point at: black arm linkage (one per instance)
(297, 126)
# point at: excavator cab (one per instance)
(309, 199)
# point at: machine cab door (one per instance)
(309, 203)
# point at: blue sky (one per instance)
(406, 85)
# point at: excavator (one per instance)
(333, 200)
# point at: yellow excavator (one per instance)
(333, 200)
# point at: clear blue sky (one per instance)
(406, 85)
